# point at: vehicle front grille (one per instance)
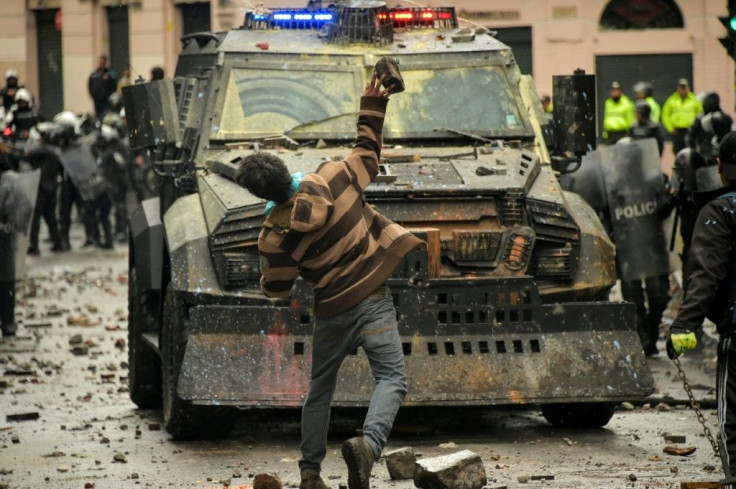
(554, 263)
(512, 207)
(552, 222)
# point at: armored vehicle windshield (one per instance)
(317, 94)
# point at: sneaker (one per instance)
(359, 458)
(312, 480)
(9, 329)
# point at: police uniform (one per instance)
(710, 291)
(679, 114)
(618, 117)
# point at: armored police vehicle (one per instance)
(508, 303)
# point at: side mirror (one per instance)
(151, 114)
(573, 120)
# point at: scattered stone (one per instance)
(321, 144)
(674, 470)
(655, 458)
(80, 350)
(120, 343)
(22, 417)
(134, 475)
(15, 439)
(663, 408)
(675, 438)
(460, 470)
(709, 468)
(55, 454)
(266, 481)
(154, 427)
(449, 445)
(237, 474)
(76, 339)
(119, 457)
(401, 463)
(679, 451)
(523, 479)
(104, 440)
(632, 477)
(543, 477)
(89, 485)
(627, 406)
(5, 471)
(568, 442)
(62, 468)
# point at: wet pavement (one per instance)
(67, 421)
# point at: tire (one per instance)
(182, 419)
(144, 364)
(579, 415)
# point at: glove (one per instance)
(678, 343)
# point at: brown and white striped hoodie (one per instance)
(329, 234)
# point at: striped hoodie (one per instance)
(329, 234)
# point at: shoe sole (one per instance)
(350, 455)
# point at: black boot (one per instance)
(312, 480)
(359, 458)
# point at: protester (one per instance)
(101, 85)
(710, 292)
(356, 309)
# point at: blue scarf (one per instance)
(296, 180)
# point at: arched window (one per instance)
(641, 14)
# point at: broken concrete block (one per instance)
(460, 470)
(266, 481)
(401, 463)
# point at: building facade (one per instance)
(54, 44)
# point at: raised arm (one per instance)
(362, 164)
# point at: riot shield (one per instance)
(27, 182)
(707, 178)
(80, 165)
(588, 182)
(635, 188)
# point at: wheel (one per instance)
(579, 415)
(144, 364)
(182, 419)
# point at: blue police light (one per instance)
(282, 17)
(323, 17)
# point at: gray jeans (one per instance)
(372, 325)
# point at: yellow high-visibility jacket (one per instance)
(680, 114)
(618, 116)
(656, 109)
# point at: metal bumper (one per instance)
(465, 343)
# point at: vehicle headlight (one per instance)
(237, 268)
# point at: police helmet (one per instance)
(643, 108)
(24, 95)
(11, 73)
(716, 123)
(34, 136)
(66, 118)
(644, 87)
(687, 161)
(108, 134)
(115, 99)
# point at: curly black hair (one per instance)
(265, 176)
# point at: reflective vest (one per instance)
(680, 114)
(656, 109)
(618, 116)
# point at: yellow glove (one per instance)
(679, 343)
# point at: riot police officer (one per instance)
(15, 210)
(618, 115)
(22, 117)
(709, 128)
(113, 165)
(9, 90)
(44, 155)
(645, 127)
(70, 196)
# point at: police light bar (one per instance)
(439, 17)
(289, 19)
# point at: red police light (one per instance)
(8, 132)
(402, 16)
(444, 16)
(428, 15)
